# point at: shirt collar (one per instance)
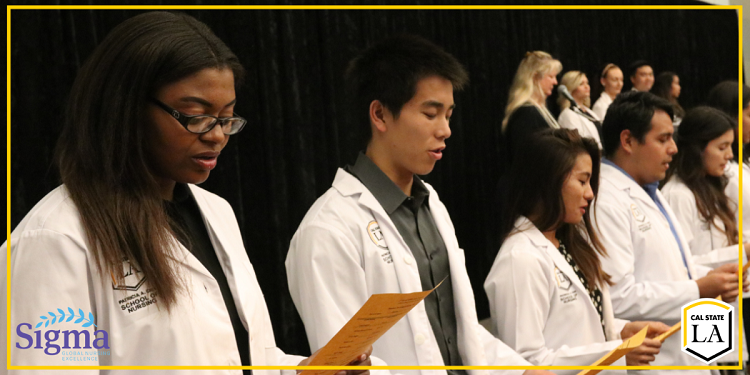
(382, 188)
(649, 188)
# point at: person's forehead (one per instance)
(644, 69)
(661, 123)
(434, 89)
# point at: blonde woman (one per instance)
(526, 111)
(525, 114)
(612, 81)
(578, 116)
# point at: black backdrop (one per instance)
(297, 135)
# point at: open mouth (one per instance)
(206, 160)
(437, 153)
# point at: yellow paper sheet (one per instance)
(675, 328)
(618, 352)
(374, 318)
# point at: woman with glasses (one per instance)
(154, 265)
(548, 294)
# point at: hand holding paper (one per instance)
(626, 347)
(374, 318)
(362, 360)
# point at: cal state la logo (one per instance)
(637, 213)
(563, 281)
(376, 235)
(132, 278)
(708, 329)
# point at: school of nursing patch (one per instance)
(376, 235)
(637, 213)
(640, 217)
(564, 284)
(707, 329)
(134, 298)
(133, 278)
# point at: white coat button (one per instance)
(419, 339)
(407, 260)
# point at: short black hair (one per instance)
(631, 110)
(390, 70)
(635, 65)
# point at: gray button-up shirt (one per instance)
(414, 222)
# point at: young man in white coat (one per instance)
(380, 229)
(648, 257)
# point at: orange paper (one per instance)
(675, 328)
(374, 318)
(618, 352)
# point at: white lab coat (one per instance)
(540, 308)
(708, 245)
(347, 248)
(732, 190)
(571, 120)
(53, 267)
(601, 105)
(650, 279)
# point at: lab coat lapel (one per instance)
(623, 182)
(680, 235)
(537, 238)
(611, 331)
(469, 343)
(406, 271)
(233, 262)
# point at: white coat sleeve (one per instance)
(327, 282)
(634, 299)
(499, 353)
(685, 209)
(49, 271)
(519, 293)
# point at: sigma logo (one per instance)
(55, 342)
(708, 329)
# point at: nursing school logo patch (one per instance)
(707, 329)
(376, 235)
(637, 213)
(133, 278)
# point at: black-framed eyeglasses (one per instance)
(200, 124)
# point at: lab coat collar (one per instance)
(528, 229)
(622, 181)
(348, 185)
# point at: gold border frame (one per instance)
(738, 8)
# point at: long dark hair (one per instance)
(536, 182)
(101, 154)
(700, 126)
(663, 88)
(725, 97)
